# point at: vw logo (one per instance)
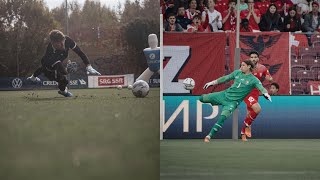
(16, 83)
(152, 56)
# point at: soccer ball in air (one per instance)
(140, 88)
(119, 87)
(189, 84)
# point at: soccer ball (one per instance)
(140, 88)
(119, 87)
(189, 84)
(129, 87)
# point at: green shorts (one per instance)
(219, 98)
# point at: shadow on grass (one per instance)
(49, 98)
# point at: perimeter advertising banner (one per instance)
(21, 83)
(107, 81)
(286, 117)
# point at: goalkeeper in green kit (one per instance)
(244, 82)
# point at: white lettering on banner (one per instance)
(82, 82)
(154, 81)
(184, 106)
(179, 56)
(107, 81)
(73, 82)
(314, 91)
(49, 83)
(215, 111)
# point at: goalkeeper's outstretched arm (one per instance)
(221, 79)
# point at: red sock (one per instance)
(249, 119)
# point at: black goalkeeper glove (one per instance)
(267, 96)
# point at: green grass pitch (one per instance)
(98, 134)
(257, 159)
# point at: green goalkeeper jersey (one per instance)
(242, 86)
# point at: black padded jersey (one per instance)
(53, 56)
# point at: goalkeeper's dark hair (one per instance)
(275, 85)
(254, 52)
(249, 62)
(56, 36)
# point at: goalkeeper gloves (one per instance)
(90, 70)
(267, 96)
(206, 86)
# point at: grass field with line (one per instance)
(258, 159)
(98, 134)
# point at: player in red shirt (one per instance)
(253, 107)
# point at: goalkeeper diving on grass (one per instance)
(51, 62)
(244, 82)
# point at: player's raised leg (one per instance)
(252, 113)
(34, 76)
(62, 80)
(218, 98)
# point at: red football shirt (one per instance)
(252, 22)
(260, 71)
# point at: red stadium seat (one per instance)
(315, 68)
(297, 88)
(295, 61)
(305, 74)
(316, 44)
(307, 57)
(311, 62)
(315, 38)
(295, 69)
(304, 51)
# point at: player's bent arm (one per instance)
(259, 86)
(82, 55)
(269, 78)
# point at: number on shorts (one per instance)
(251, 99)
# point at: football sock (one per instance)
(249, 119)
(217, 126)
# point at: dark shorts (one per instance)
(55, 73)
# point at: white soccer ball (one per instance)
(140, 88)
(129, 87)
(119, 87)
(189, 84)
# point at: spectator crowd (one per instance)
(256, 15)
